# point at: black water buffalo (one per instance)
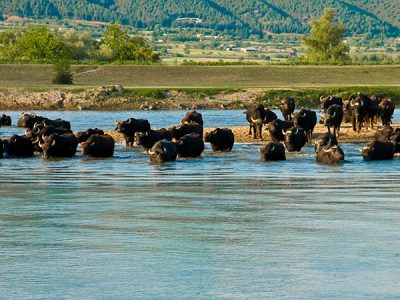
(305, 119)
(333, 118)
(269, 116)
(272, 151)
(82, 136)
(56, 145)
(329, 155)
(386, 108)
(378, 150)
(1, 148)
(347, 112)
(359, 109)
(57, 123)
(28, 120)
(18, 146)
(255, 115)
(325, 140)
(395, 139)
(5, 120)
(98, 145)
(221, 139)
(295, 139)
(40, 131)
(277, 128)
(149, 138)
(183, 129)
(129, 127)
(190, 145)
(384, 133)
(192, 117)
(163, 151)
(326, 102)
(363, 111)
(287, 107)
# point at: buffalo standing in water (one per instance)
(5, 120)
(272, 151)
(295, 139)
(287, 108)
(191, 145)
(129, 127)
(255, 115)
(98, 146)
(221, 139)
(56, 145)
(305, 119)
(378, 150)
(329, 154)
(18, 146)
(163, 151)
(192, 117)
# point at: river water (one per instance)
(223, 226)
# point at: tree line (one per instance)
(40, 44)
(236, 18)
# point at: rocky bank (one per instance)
(116, 97)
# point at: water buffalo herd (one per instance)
(296, 128)
(54, 138)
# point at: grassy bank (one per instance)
(117, 98)
(40, 76)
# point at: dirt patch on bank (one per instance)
(347, 135)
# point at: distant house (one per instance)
(233, 49)
(190, 20)
(249, 49)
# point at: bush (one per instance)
(63, 73)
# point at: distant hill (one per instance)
(240, 17)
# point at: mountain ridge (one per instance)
(240, 18)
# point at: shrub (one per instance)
(63, 73)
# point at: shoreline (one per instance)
(118, 98)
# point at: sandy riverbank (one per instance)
(347, 134)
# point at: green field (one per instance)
(40, 76)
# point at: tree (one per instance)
(63, 73)
(8, 44)
(125, 47)
(39, 43)
(325, 42)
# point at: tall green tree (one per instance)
(325, 44)
(124, 47)
(38, 43)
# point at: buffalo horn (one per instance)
(256, 121)
(297, 130)
(53, 143)
(129, 121)
(40, 144)
(272, 148)
(33, 115)
(151, 152)
(36, 140)
(329, 149)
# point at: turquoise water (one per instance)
(224, 226)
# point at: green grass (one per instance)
(160, 76)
